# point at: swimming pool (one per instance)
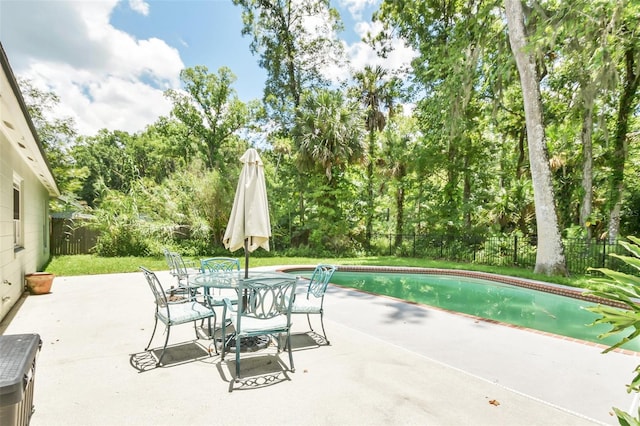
(557, 309)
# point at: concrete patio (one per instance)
(389, 362)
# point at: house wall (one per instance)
(22, 159)
(16, 262)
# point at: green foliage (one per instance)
(195, 206)
(328, 132)
(212, 113)
(109, 166)
(626, 419)
(294, 40)
(57, 135)
(122, 232)
(456, 164)
(623, 289)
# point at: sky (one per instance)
(109, 61)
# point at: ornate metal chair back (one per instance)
(219, 264)
(320, 279)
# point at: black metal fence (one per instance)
(70, 237)
(513, 251)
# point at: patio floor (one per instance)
(389, 363)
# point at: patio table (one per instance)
(232, 280)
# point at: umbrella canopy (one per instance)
(249, 225)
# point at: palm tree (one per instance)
(372, 91)
(328, 132)
(328, 135)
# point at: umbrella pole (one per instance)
(246, 258)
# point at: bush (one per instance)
(624, 289)
(123, 241)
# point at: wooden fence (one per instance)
(69, 236)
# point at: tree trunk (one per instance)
(400, 206)
(621, 149)
(587, 162)
(550, 257)
(466, 193)
(370, 203)
(521, 153)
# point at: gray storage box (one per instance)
(17, 372)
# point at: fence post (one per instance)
(389, 243)
(515, 250)
(604, 253)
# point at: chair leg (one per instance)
(237, 360)
(322, 323)
(224, 333)
(166, 341)
(293, 369)
(212, 332)
(153, 333)
(309, 321)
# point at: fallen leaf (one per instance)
(494, 402)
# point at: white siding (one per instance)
(22, 160)
(15, 263)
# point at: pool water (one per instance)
(506, 303)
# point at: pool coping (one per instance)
(558, 289)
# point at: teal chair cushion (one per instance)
(302, 305)
(180, 313)
(252, 325)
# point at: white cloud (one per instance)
(140, 6)
(104, 77)
(361, 54)
(356, 7)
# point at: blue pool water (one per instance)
(506, 303)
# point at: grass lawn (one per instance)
(90, 264)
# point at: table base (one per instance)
(247, 344)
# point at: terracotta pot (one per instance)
(39, 282)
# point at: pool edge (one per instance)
(559, 289)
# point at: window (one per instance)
(17, 212)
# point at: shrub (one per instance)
(625, 289)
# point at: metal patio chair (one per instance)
(219, 265)
(265, 312)
(181, 270)
(313, 301)
(174, 313)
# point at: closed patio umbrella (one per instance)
(249, 225)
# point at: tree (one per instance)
(455, 42)
(550, 257)
(211, 111)
(586, 42)
(329, 136)
(295, 40)
(106, 158)
(163, 148)
(371, 90)
(399, 141)
(328, 132)
(627, 104)
(56, 134)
